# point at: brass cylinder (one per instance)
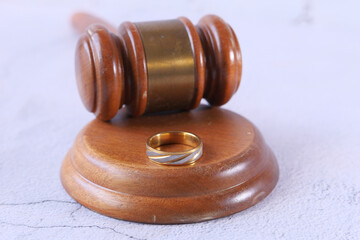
(170, 65)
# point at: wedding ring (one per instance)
(174, 158)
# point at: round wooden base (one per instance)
(107, 169)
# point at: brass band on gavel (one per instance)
(170, 65)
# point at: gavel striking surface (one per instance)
(107, 169)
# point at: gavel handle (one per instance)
(81, 21)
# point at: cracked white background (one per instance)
(300, 86)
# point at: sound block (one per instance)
(107, 169)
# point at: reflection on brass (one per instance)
(170, 64)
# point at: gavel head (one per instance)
(157, 66)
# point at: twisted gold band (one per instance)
(174, 158)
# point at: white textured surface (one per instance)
(300, 86)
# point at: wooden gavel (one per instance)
(156, 66)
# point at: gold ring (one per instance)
(174, 158)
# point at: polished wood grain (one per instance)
(223, 59)
(107, 169)
(135, 68)
(99, 86)
(199, 59)
(217, 71)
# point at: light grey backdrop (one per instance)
(300, 86)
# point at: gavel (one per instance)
(156, 66)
